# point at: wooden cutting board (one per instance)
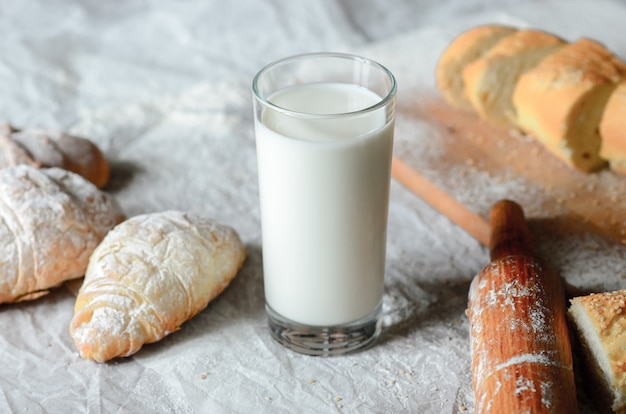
(478, 164)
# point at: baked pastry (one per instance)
(555, 91)
(613, 130)
(560, 102)
(490, 80)
(45, 148)
(51, 220)
(466, 48)
(600, 329)
(150, 274)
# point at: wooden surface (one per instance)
(509, 234)
(477, 164)
(443, 202)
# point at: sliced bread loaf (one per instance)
(490, 80)
(613, 130)
(560, 101)
(467, 47)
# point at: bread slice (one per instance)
(560, 101)
(467, 47)
(600, 329)
(490, 80)
(613, 130)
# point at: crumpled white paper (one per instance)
(164, 89)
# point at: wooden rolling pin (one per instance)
(521, 353)
(443, 202)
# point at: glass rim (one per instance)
(348, 56)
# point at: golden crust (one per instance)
(600, 321)
(560, 101)
(467, 47)
(48, 148)
(84, 158)
(490, 80)
(585, 60)
(613, 130)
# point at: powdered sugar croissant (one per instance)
(51, 220)
(49, 148)
(150, 274)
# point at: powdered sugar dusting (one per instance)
(55, 220)
(104, 322)
(149, 275)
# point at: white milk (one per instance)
(324, 188)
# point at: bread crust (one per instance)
(490, 80)
(600, 328)
(560, 101)
(613, 130)
(149, 275)
(465, 48)
(47, 148)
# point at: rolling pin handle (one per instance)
(509, 234)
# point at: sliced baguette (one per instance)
(613, 130)
(560, 102)
(490, 81)
(466, 48)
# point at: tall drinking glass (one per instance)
(324, 136)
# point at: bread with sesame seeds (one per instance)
(600, 330)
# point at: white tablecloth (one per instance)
(163, 87)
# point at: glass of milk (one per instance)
(324, 136)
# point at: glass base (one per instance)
(325, 340)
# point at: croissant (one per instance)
(42, 148)
(51, 220)
(150, 274)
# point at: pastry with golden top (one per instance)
(560, 102)
(149, 275)
(490, 81)
(466, 48)
(600, 327)
(48, 148)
